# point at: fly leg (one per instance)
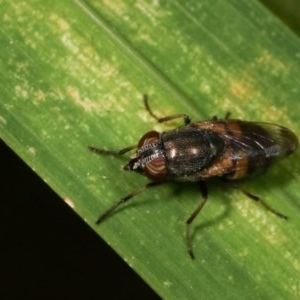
(185, 117)
(111, 152)
(266, 205)
(227, 116)
(260, 200)
(189, 221)
(123, 200)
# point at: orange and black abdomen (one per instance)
(232, 149)
(251, 147)
(257, 146)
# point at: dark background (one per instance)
(47, 251)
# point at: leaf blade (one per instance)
(50, 118)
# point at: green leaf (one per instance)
(73, 74)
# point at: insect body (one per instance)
(227, 148)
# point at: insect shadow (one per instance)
(193, 193)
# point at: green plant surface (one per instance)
(73, 74)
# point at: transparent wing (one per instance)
(253, 139)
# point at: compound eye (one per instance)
(150, 137)
(156, 169)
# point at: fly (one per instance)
(197, 151)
